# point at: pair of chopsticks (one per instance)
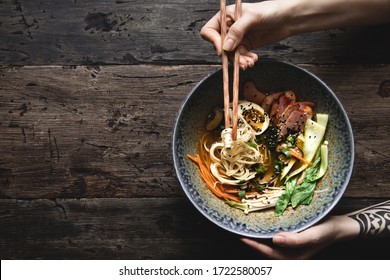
(236, 70)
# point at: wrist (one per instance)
(344, 227)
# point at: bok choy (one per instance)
(300, 183)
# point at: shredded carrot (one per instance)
(203, 161)
(299, 157)
(212, 183)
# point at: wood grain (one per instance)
(114, 228)
(142, 32)
(106, 131)
(89, 93)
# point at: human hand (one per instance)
(306, 244)
(260, 24)
(268, 22)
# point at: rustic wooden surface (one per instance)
(89, 92)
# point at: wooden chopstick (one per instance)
(236, 77)
(225, 74)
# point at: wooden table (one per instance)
(89, 92)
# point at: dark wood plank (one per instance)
(86, 170)
(136, 32)
(132, 229)
(73, 132)
(90, 131)
(106, 228)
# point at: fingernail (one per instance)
(279, 239)
(228, 44)
(216, 50)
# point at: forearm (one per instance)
(370, 222)
(315, 15)
(373, 221)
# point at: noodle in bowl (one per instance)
(230, 164)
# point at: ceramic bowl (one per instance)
(269, 75)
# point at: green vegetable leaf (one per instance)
(305, 191)
(308, 199)
(302, 193)
(285, 198)
(311, 171)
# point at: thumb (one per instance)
(291, 240)
(236, 33)
(316, 235)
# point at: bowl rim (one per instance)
(336, 198)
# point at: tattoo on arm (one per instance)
(374, 221)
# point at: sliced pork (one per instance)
(294, 123)
(294, 117)
(269, 100)
(252, 94)
(279, 105)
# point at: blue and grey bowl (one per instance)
(269, 75)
